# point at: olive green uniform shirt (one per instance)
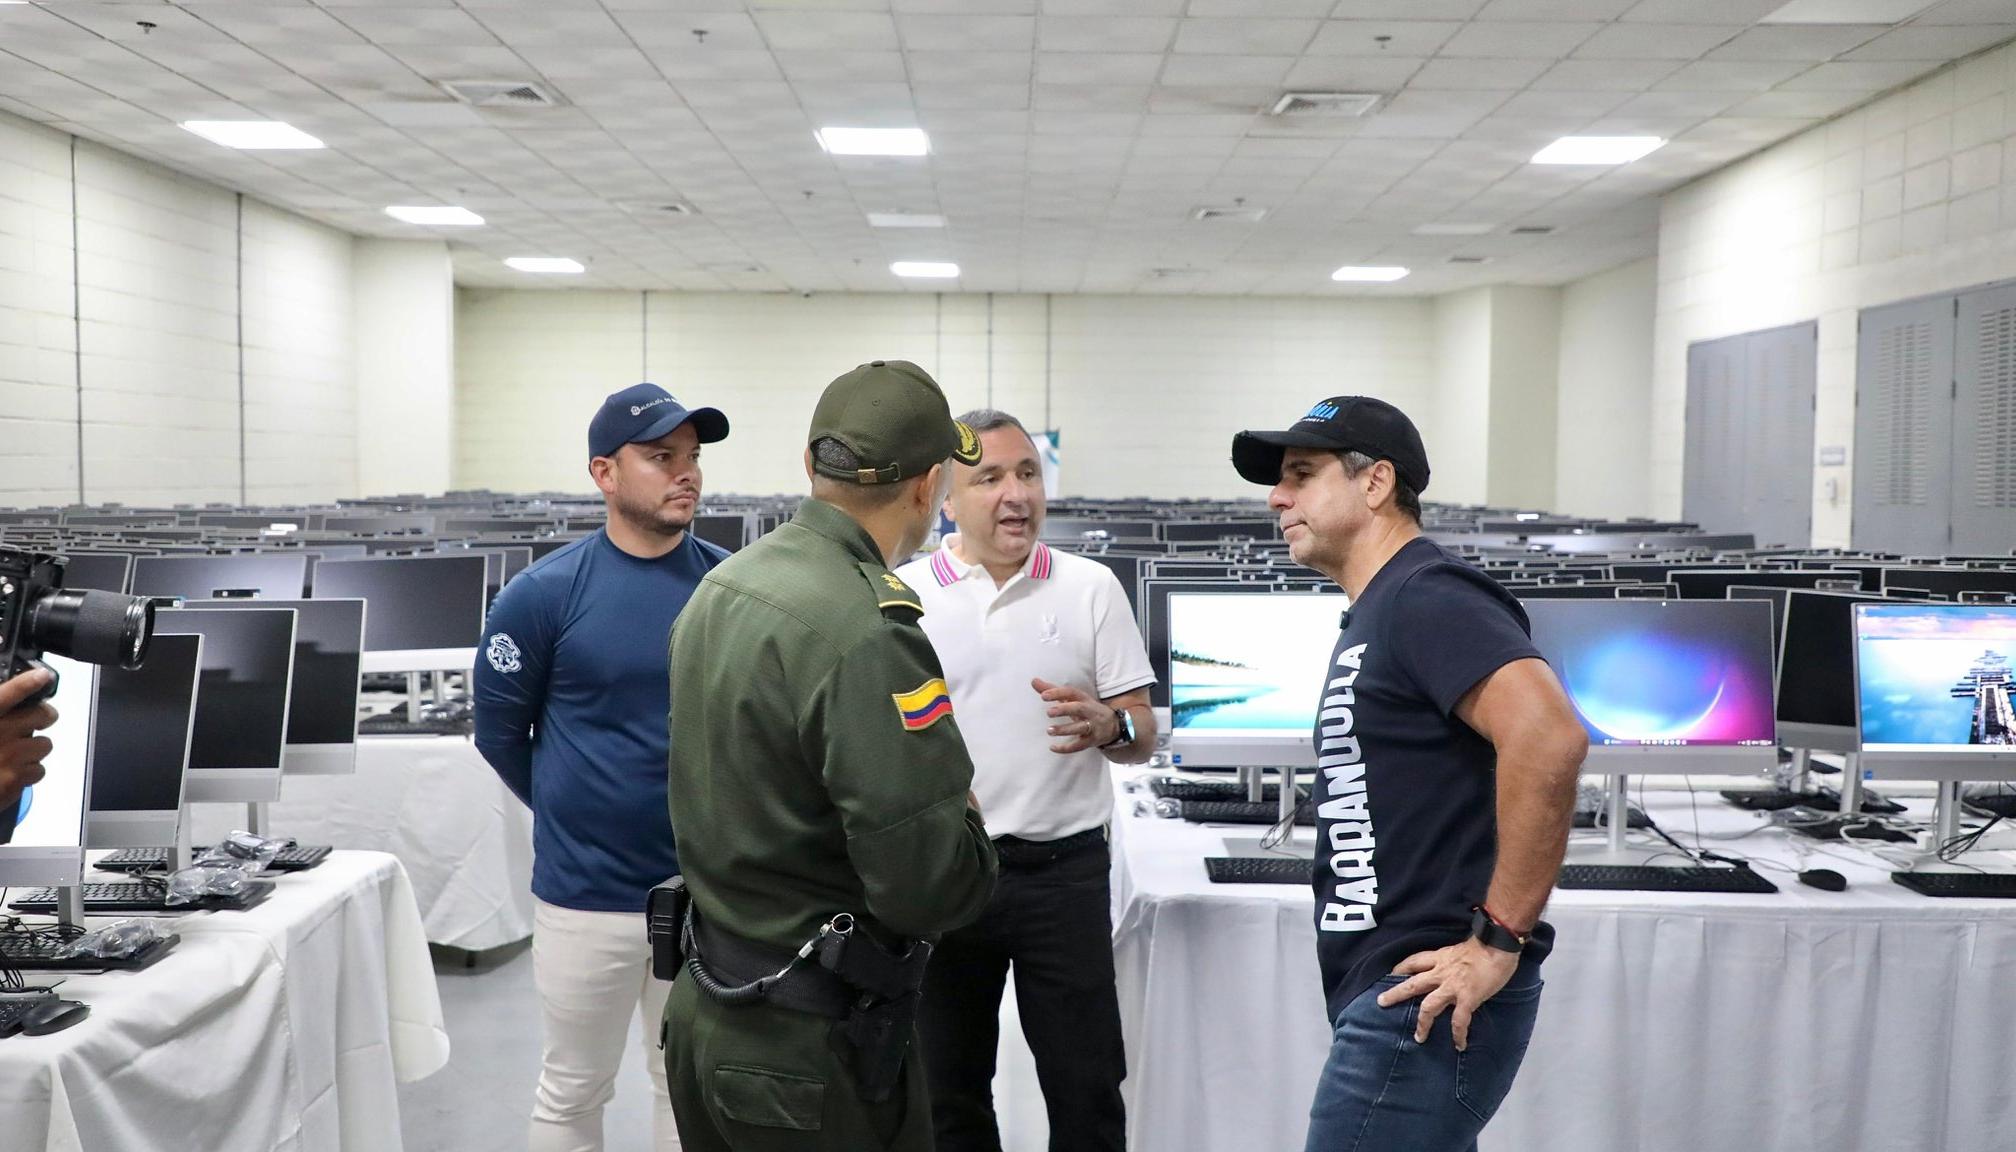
(815, 768)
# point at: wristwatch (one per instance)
(1126, 735)
(1493, 934)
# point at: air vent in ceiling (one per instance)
(1348, 105)
(1533, 230)
(1176, 273)
(501, 93)
(1469, 259)
(1237, 214)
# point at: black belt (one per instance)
(1015, 852)
(805, 988)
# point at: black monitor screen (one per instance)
(1070, 529)
(322, 708)
(1221, 530)
(1565, 592)
(416, 602)
(102, 571)
(1127, 570)
(1950, 582)
(722, 531)
(1714, 583)
(141, 738)
(241, 703)
(1772, 596)
(1816, 677)
(276, 576)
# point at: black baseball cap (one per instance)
(1341, 423)
(894, 418)
(644, 412)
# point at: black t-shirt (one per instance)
(1407, 821)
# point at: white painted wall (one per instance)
(1457, 430)
(1604, 395)
(156, 298)
(1525, 337)
(1147, 390)
(1911, 195)
(402, 406)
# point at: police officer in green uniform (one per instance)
(820, 795)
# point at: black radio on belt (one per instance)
(664, 921)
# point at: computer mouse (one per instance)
(1825, 878)
(54, 1016)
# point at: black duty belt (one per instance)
(805, 988)
(1015, 852)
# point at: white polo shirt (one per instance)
(1062, 618)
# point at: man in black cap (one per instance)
(822, 801)
(570, 690)
(1447, 756)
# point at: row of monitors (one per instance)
(729, 530)
(1669, 686)
(232, 694)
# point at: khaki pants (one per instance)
(761, 1079)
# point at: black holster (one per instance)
(665, 926)
(883, 1017)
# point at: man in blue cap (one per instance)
(571, 690)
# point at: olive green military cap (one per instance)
(893, 416)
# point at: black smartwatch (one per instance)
(1494, 934)
(1126, 735)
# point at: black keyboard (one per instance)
(119, 896)
(396, 724)
(1825, 826)
(1242, 812)
(299, 858)
(1978, 885)
(13, 1009)
(39, 954)
(1822, 797)
(1653, 878)
(1260, 869)
(1190, 790)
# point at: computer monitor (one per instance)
(1714, 583)
(328, 675)
(1200, 530)
(1773, 596)
(1074, 529)
(140, 746)
(274, 575)
(1564, 591)
(103, 571)
(1154, 621)
(722, 531)
(1949, 582)
(1127, 570)
(47, 845)
(1246, 673)
(1816, 670)
(1933, 690)
(426, 612)
(241, 700)
(379, 525)
(1665, 686)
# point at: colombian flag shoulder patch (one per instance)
(924, 706)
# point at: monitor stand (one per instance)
(413, 697)
(1614, 850)
(1946, 826)
(70, 905)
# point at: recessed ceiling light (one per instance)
(1374, 273)
(925, 269)
(545, 264)
(874, 141)
(1597, 149)
(905, 220)
(1847, 11)
(444, 217)
(252, 134)
(1453, 229)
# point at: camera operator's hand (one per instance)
(21, 751)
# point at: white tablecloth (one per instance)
(433, 802)
(281, 1029)
(1871, 1019)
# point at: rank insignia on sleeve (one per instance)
(919, 709)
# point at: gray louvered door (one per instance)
(1984, 419)
(1904, 428)
(1710, 494)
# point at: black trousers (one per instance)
(1052, 922)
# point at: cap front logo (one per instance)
(639, 409)
(1323, 411)
(969, 444)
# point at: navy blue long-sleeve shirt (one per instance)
(571, 696)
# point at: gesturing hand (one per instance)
(1082, 719)
(1461, 976)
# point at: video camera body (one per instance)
(38, 615)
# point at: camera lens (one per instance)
(92, 626)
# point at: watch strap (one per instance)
(1493, 934)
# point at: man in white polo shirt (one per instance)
(1051, 680)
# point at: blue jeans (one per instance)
(1382, 1092)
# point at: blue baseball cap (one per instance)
(644, 412)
